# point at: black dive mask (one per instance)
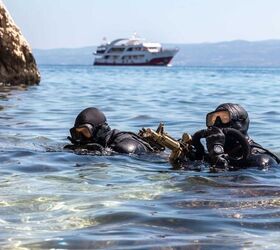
(229, 115)
(221, 118)
(82, 133)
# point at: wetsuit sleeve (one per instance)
(129, 146)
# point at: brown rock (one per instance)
(17, 64)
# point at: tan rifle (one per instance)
(179, 149)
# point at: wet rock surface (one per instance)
(17, 64)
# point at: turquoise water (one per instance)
(56, 199)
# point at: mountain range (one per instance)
(236, 53)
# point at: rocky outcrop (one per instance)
(17, 64)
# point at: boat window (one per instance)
(100, 51)
(116, 49)
(153, 49)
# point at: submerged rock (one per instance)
(17, 64)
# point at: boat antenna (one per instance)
(104, 40)
(135, 35)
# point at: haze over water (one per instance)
(51, 198)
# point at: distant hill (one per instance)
(234, 53)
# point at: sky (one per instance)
(78, 23)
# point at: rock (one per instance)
(17, 64)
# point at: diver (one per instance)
(227, 141)
(92, 133)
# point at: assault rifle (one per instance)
(179, 149)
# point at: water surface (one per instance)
(56, 199)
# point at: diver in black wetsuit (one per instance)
(91, 132)
(228, 143)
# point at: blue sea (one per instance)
(55, 199)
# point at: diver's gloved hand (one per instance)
(215, 142)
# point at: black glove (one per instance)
(215, 136)
(215, 142)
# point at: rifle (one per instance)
(179, 149)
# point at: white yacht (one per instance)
(133, 52)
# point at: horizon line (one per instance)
(194, 43)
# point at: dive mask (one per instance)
(223, 115)
(82, 133)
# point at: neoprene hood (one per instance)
(239, 116)
(92, 116)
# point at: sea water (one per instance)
(51, 198)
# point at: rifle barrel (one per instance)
(163, 139)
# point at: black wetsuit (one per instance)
(231, 148)
(115, 140)
(123, 142)
(260, 156)
(103, 137)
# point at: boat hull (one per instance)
(161, 61)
